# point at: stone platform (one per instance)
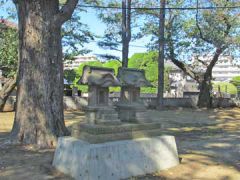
(115, 160)
(95, 133)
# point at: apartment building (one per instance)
(72, 64)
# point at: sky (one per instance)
(97, 27)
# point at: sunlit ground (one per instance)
(208, 142)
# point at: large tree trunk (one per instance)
(6, 91)
(205, 97)
(39, 115)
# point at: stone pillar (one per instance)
(92, 96)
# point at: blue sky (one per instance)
(98, 28)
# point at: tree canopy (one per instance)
(212, 32)
(8, 49)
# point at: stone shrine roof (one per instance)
(133, 77)
(98, 76)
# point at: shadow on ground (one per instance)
(207, 140)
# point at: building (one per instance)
(8, 23)
(72, 64)
(224, 70)
(182, 85)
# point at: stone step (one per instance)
(101, 138)
(111, 129)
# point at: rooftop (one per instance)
(8, 23)
(98, 76)
(132, 77)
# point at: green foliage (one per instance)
(219, 29)
(75, 35)
(69, 75)
(236, 81)
(225, 87)
(149, 63)
(113, 64)
(135, 60)
(112, 18)
(8, 50)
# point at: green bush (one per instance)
(236, 81)
(225, 87)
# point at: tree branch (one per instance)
(217, 53)
(6, 91)
(185, 68)
(65, 12)
(201, 61)
(227, 30)
(200, 30)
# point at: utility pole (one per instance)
(161, 40)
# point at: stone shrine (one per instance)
(99, 80)
(130, 108)
(103, 147)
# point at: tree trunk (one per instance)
(205, 97)
(161, 56)
(6, 91)
(39, 115)
(126, 30)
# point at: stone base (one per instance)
(101, 115)
(132, 113)
(115, 160)
(94, 133)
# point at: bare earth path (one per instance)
(208, 144)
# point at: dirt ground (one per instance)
(208, 143)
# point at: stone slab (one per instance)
(114, 160)
(104, 133)
(110, 129)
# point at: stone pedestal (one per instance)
(101, 115)
(128, 112)
(115, 160)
